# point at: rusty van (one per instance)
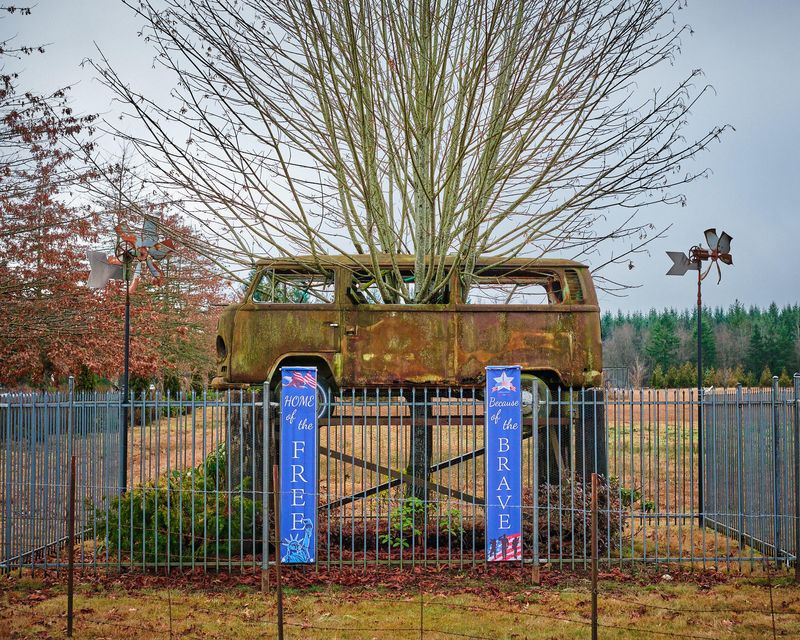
(541, 314)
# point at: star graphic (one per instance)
(504, 382)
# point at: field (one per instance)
(501, 604)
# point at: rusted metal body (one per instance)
(376, 345)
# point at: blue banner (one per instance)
(503, 417)
(299, 457)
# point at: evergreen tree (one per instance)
(755, 351)
(658, 380)
(738, 342)
(662, 346)
(708, 341)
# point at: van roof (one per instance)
(408, 260)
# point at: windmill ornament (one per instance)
(719, 250)
(145, 250)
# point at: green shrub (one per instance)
(658, 380)
(171, 384)
(633, 498)
(137, 385)
(86, 380)
(184, 515)
(409, 524)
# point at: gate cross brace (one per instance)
(398, 477)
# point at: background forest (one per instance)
(740, 345)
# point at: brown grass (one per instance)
(471, 605)
(174, 443)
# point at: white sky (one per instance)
(748, 51)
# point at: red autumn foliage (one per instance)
(51, 324)
(41, 234)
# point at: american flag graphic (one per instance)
(300, 380)
(505, 548)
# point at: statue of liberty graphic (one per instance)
(297, 546)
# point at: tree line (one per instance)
(746, 345)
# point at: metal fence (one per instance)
(198, 478)
(751, 466)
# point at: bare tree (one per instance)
(637, 372)
(621, 348)
(435, 127)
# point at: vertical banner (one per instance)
(503, 417)
(299, 457)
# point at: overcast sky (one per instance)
(748, 51)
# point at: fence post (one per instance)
(594, 556)
(740, 465)
(70, 407)
(8, 490)
(70, 426)
(797, 477)
(71, 545)
(535, 572)
(279, 585)
(776, 485)
(265, 466)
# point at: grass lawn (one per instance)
(497, 603)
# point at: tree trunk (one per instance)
(421, 453)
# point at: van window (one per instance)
(513, 290)
(276, 287)
(574, 290)
(364, 289)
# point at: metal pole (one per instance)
(276, 501)
(594, 556)
(701, 479)
(796, 477)
(740, 468)
(123, 430)
(776, 486)
(265, 442)
(71, 546)
(8, 489)
(536, 576)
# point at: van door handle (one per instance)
(332, 324)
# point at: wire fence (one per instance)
(424, 613)
(402, 478)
